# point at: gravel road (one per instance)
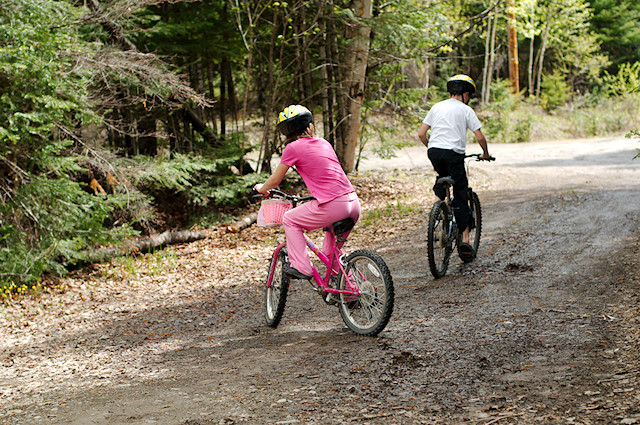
(542, 328)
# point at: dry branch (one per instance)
(243, 223)
(145, 245)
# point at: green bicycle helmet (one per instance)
(294, 119)
(461, 83)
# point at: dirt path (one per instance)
(542, 328)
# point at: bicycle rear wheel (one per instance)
(439, 244)
(275, 296)
(475, 228)
(368, 313)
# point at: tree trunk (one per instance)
(243, 223)
(222, 104)
(325, 93)
(427, 72)
(199, 125)
(266, 148)
(245, 101)
(337, 94)
(145, 245)
(543, 48)
(485, 69)
(210, 112)
(514, 74)
(147, 140)
(492, 57)
(530, 67)
(356, 58)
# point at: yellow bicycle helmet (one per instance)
(461, 83)
(293, 119)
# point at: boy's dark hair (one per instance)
(459, 87)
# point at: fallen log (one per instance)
(145, 245)
(243, 223)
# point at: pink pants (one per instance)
(310, 216)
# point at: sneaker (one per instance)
(466, 252)
(295, 273)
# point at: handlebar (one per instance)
(477, 156)
(275, 193)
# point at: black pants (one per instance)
(449, 163)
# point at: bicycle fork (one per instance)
(272, 270)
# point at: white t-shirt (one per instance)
(449, 121)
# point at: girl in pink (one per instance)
(318, 165)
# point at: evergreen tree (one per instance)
(617, 24)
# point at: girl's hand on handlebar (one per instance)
(258, 189)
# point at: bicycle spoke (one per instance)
(369, 311)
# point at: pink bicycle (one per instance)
(360, 284)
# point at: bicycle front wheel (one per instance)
(369, 312)
(475, 228)
(439, 244)
(275, 295)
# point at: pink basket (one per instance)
(273, 210)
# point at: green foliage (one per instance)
(616, 25)
(383, 137)
(586, 116)
(48, 225)
(406, 28)
(571, 45)
(626, 81)
(555, 91)
(391, 209)
(201, 181)
(47, 222)
(636, 134)
(41, 87)
(188, 28)
(506, 118)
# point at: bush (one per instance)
(506, 118)
(199, 181)
(46, 219)
(49, 225)
(555, 91)
(636, 134)
(626, 81)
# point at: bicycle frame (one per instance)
(322, 283)
(453, 226)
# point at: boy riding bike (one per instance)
(318, 165)
(449, 121)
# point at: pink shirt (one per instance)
(318, 165)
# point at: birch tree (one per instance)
(353, 84)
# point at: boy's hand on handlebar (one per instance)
(486, 157)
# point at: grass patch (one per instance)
(392, 209)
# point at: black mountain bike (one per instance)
(443, 233)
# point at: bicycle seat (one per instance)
(445, 180)
(343, 226)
